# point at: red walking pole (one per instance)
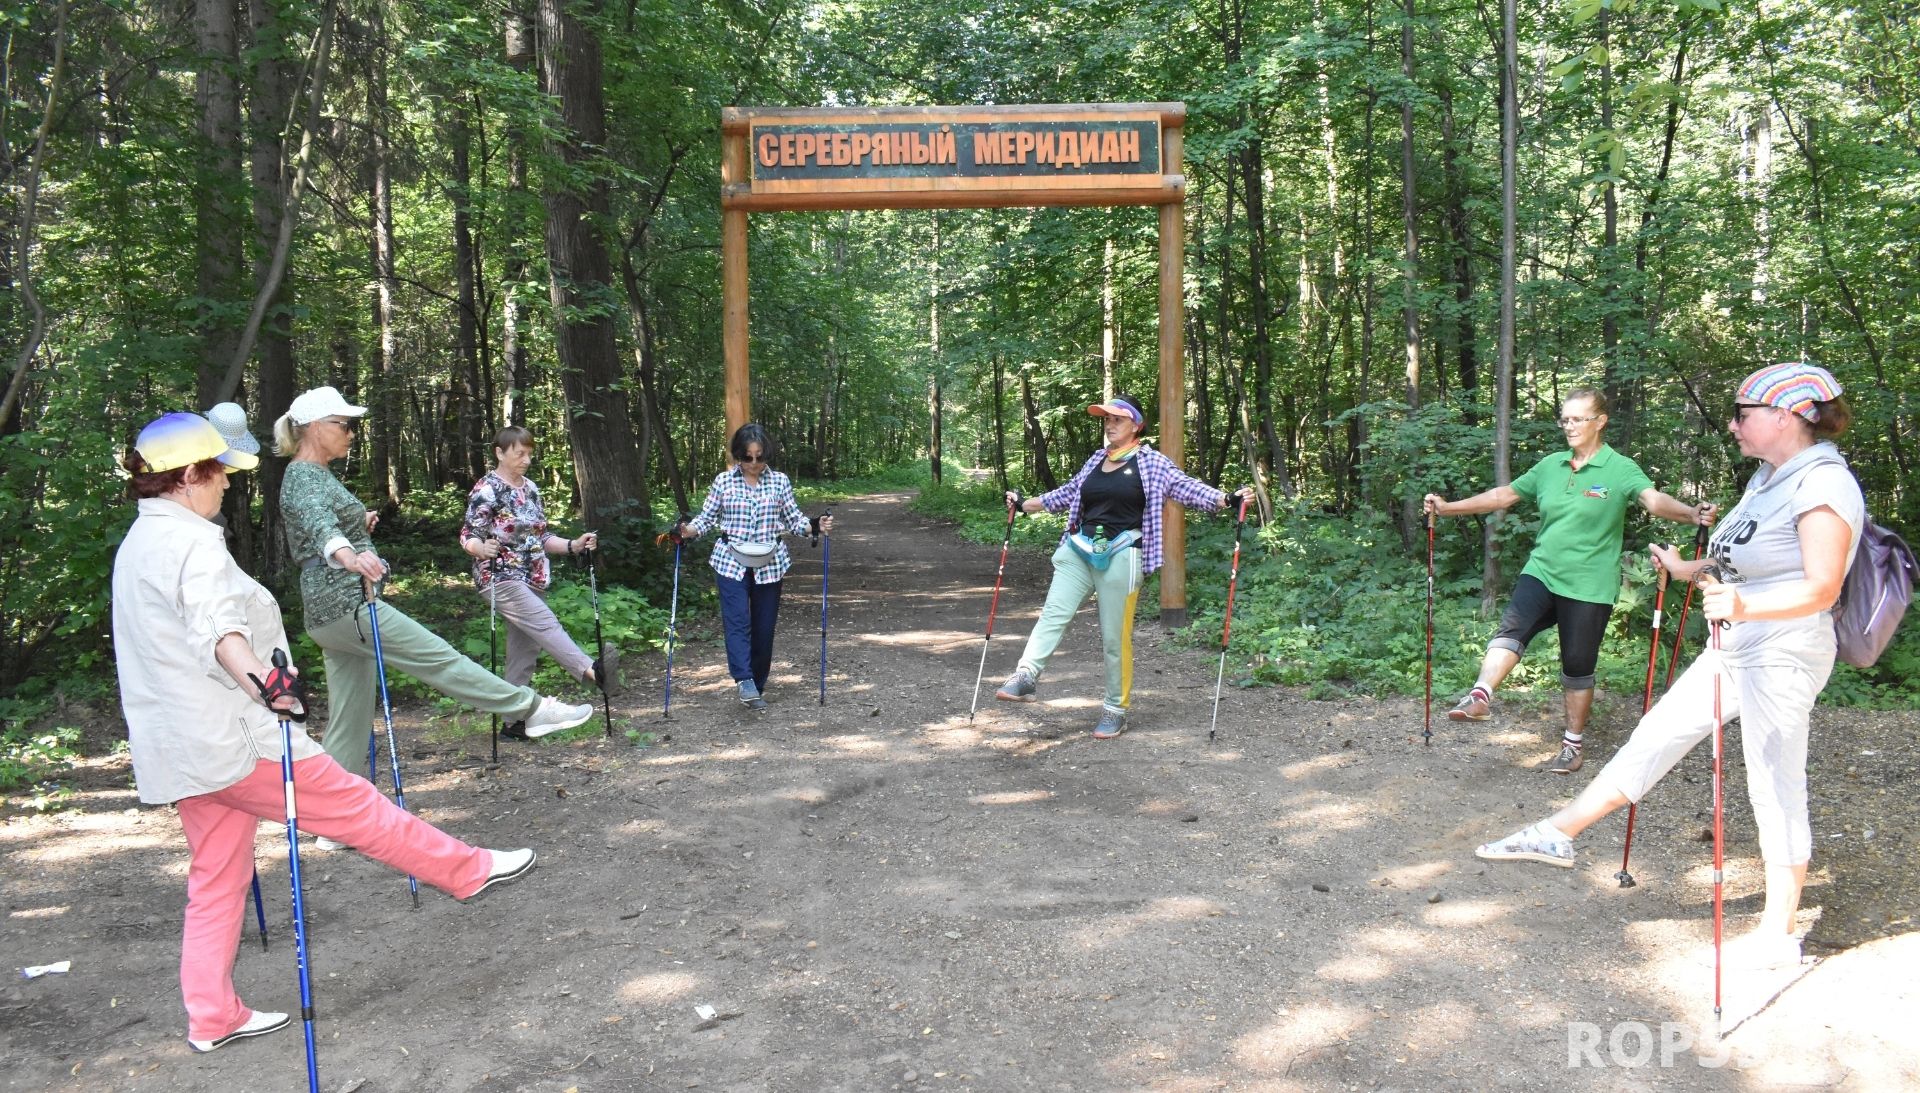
(1427, 732)
(1719, 842)
(1680, 628)
(1646, 703)
(1007, 541)
(1226, 627)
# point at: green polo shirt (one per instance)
(1582, 515)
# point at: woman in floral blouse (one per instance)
(506, 535)
(752, 504)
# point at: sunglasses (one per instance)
(1740, 411)
(756, 457)
(344, 423)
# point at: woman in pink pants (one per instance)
(192, 634)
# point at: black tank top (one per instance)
(1112, 501)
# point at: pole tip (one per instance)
(1625, 878)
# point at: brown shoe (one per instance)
(1569, 760)
(1471, 709)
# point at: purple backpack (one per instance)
(1874, 597)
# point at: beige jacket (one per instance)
(176, 593)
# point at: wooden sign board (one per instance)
(954, 156)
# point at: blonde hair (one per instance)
(286, 435)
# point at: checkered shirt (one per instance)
(751, 514)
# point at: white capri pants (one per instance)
(1774, 705)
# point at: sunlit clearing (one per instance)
(1021, 797)
(956, 733)
(858, 742)
(928, 641)
(39, 912)
(659, 989)
(1162, 806)
(73, 850)
(1430, 1028)
(810, 795)
(1173, 909)
(1307, 1028)
(1465, 912)
(1070, 702)
(1322, 820)
(1413, 876)
(731, 755)
(1309, 767)
(1514, 739)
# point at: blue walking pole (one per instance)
(260, 910)
(826, 548)
(386, 711)
(293, 873)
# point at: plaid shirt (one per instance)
(751, 514)
(1162, 482)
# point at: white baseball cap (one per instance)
(321, 402)
(231, 419)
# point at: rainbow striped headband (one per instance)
(1795, 386)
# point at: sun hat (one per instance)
(180, 440)
(1117, 407)
(231, 419)
(1793, 385)
(321, 402)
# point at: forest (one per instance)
(1409, 228)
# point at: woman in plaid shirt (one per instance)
(1112, 543)
(752, 504)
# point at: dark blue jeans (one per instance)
(748, 611)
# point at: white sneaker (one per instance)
(321, 842)
(555, 715)
(259, 1024)
(1532, 843)
(507, 865)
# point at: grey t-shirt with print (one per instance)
(1757, 546)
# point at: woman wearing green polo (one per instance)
(1573, 575)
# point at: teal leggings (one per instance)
(1117, 588)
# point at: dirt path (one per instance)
(880, 895)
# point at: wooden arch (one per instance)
(964, 157)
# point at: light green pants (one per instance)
(1116, 587)
(353, 683)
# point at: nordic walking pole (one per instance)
(1719, 841)
(599, 643)
(1013, 509)
(386, 711)
(826, 547)
(1226, 625)
(293, 873)
(673, 619)
(260, 910)
(1426, 733)
(1680, 628)
(1646, 703)
(493, 646)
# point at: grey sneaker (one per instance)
(1530, 844)
(1019, 687)
(1470, 709)
(750, 696)
(1112, 723)
(555, 715)
(1569, 760)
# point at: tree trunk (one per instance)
(1457, 193)
(217, 216)
(1620, 382)
(1410, 251)
(513, 345)
(1509, 255)
(467, 449)
(267, 109)
(1106, 322)
(1036, 437)
(607, 464)
(933, 360)
(388, 464)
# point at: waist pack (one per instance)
(751, 554)
(1099, 551)
(1874, 597)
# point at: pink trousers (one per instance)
(220, 829)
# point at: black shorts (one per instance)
(1582, 624)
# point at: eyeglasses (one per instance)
(1740, 411)
(1575, 422)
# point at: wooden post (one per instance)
(733, 281)
(1173, 385)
